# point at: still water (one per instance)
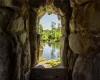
(50, 51)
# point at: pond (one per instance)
(50, 51)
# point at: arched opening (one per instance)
(39, 12)
(36, 13)
(50, 33)
(51, 9)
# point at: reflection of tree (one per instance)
(52, 53)
(49, 44)
(56, 45)
(58, 54)
(53, 47)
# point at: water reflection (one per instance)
(50, 51)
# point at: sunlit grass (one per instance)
(42, 59)
(53, 62)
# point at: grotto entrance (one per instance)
(49, 29)
(36, 14)
(53, 70)
(48, 6)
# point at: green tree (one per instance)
(53, 25)
(52, 35)
(40, 28)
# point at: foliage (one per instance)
(53, 62)
(52, 35)
(42, 59)
(58, 59)
(40, 28)
(50, 62)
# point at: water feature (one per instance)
(50, 51)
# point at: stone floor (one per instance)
(49, 74)
(43, 71)
(44, 65)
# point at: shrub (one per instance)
(53, 62)
(42, 59)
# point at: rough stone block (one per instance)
(5, 48)
(75, 3)
(27, 75)
(84, 44)
(86, 17)
(17, 25)
(6, 2)
(87, 68)
(5, 17)
(85, 28)
(64, 49)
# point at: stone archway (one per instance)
(50, 7)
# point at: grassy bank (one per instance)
(53, 63)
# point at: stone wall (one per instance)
(5, 54)
(15, 58)
(21, 55)
(84, 38)
(80, 39)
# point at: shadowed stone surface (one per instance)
(49, 74)
(87, 68)
(84, 38)
(5, 54)
(80, 36)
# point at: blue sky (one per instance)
(47, 19)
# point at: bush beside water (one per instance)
(53, 63)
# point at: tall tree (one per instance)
(53, 25)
